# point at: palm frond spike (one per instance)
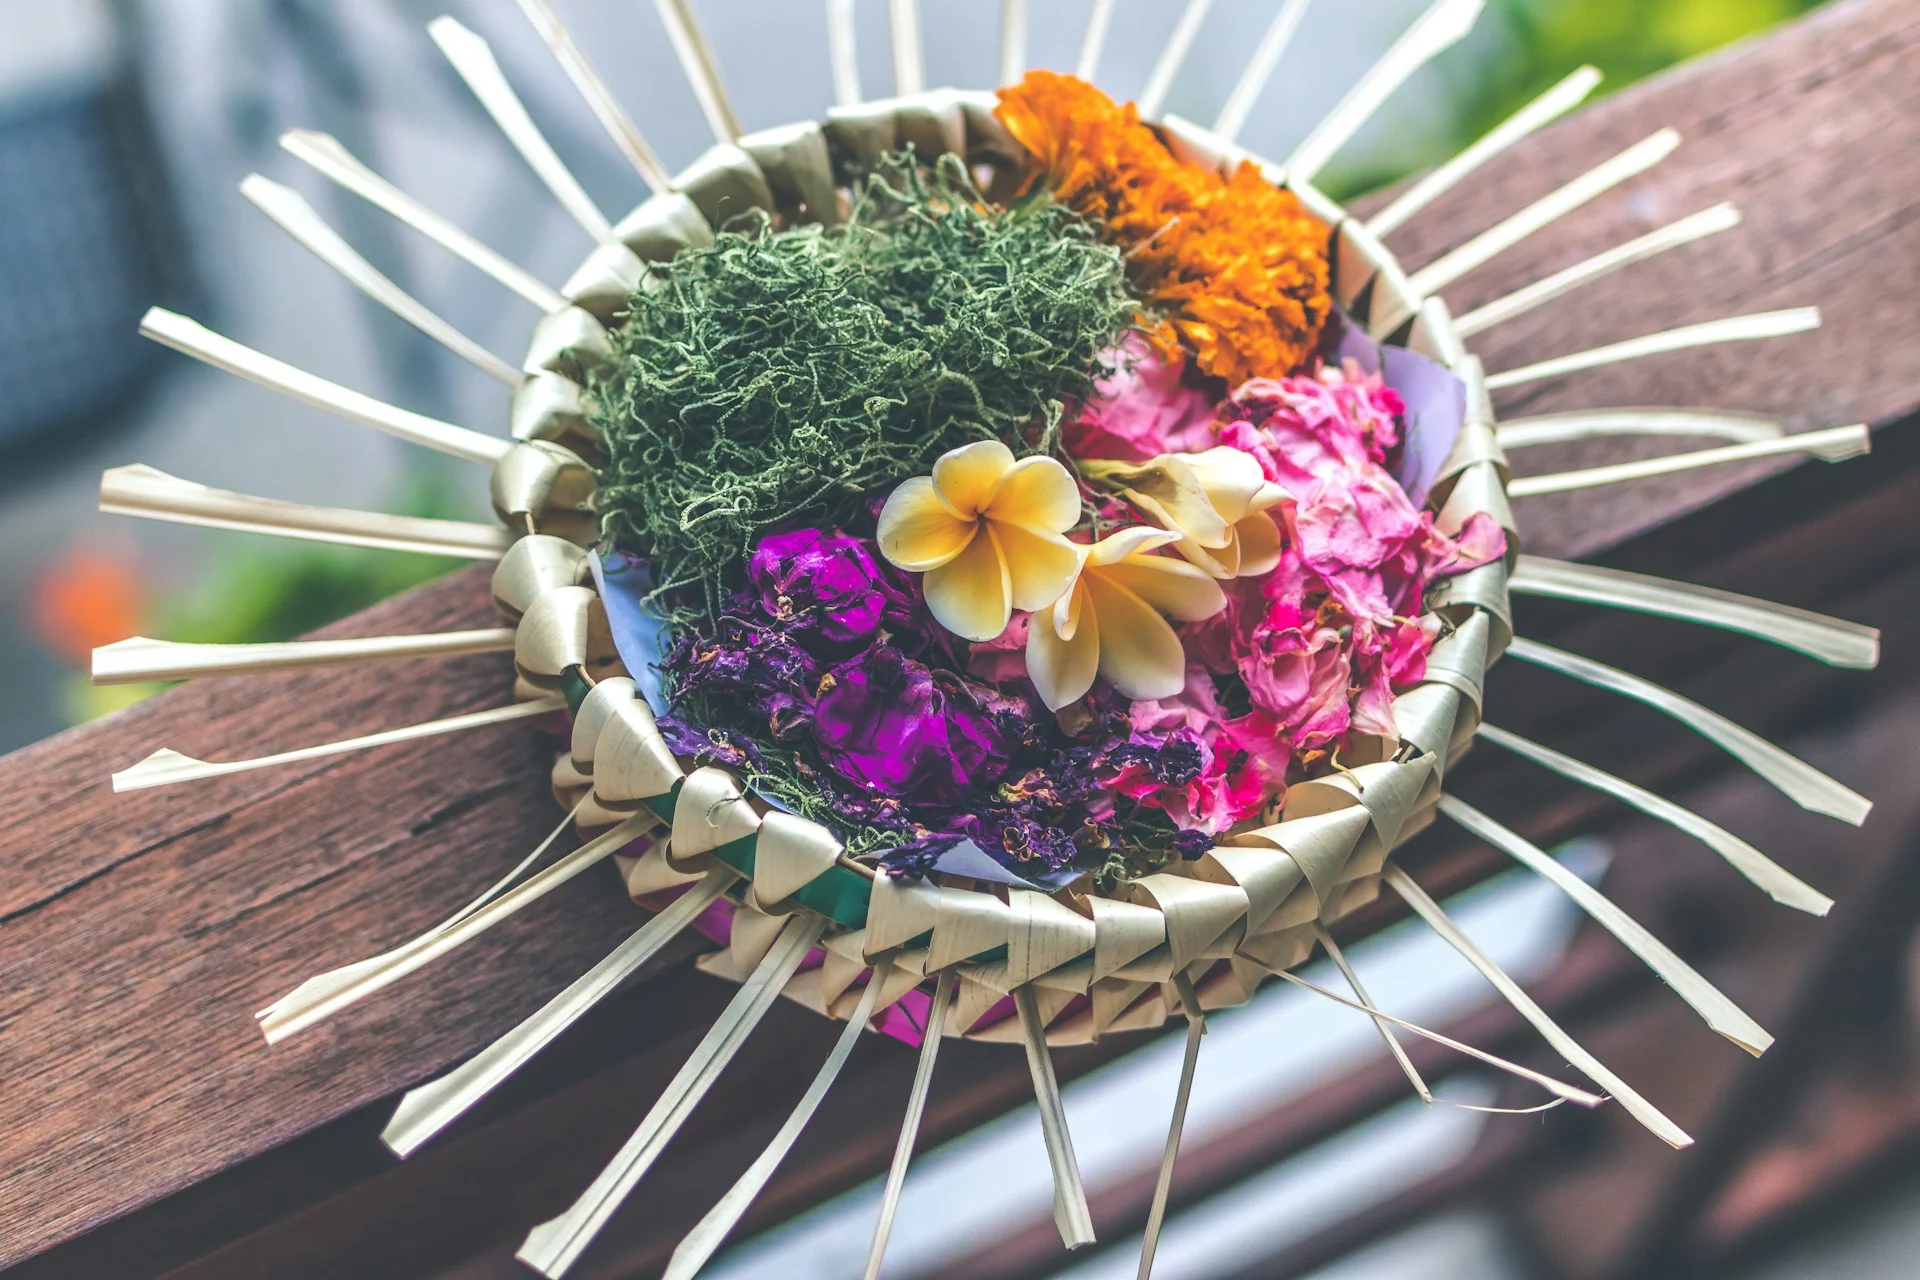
(1835, 444)
(1748, 328)
(1603, 177)
(545, 20)
(1708, 222)
(292, 214)
(1773, 879)
(931, 1036)
(1433, 33)
(1182, 1096)
(702, 69)
(139, 659)
(1720, 1013)
(1246, 91)
(325, 154)
(711, 1231)
(192, 338)
(427, 1110)
(1070, 1212)
(148, 493)
(1013, 40)
(1167, 66)
(909, 54)
(1094, 42)
(1585, 424)
(164, 767)
(1543, 110)
(1525, 1005)
(324, 995)
(473, 59)
(843, 53)
(1799, 781)
(554, 1246)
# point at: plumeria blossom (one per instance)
(988, 533)
(1216, 500)
(1109, 621)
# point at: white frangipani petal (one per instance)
(1132, 541)
(1041, 565)
(1062, 661)
(1036, 492)
(1171, 586)
(1233, 482)
(1205, 498)
(916, 530)
(1167, 491)
(1139, 654)
(967, 478)
(1258, 540)
(1067, 611)
(971, 594)
(1109, 623)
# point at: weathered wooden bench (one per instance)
(149, 1130)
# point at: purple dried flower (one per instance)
(1024, 839)
(756, 667)
(1191, 845)
(893, 726)
(1174, 762)
(914, 859)
(708, 746)
(822, 585)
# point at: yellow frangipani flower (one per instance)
(1216, 501)
(1109, 622)
(987, 531)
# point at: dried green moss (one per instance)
(785, 376)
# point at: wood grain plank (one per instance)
(141, 931)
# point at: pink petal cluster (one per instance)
(1003, 660)
(1145, 408)
(1324, 639)
(1244, 759)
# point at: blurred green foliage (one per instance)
(1544, 40)
(1524, 47)
(265, 589)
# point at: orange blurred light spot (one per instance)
(87, 599)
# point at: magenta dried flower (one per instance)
(755, 667)
(821, 584)
(894, 726)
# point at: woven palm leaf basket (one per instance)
(1004, 564)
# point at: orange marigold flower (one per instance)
(1236, 266)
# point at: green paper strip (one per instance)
(840, 894)
(663, 806)
(575, 685)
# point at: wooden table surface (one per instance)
(139, 933)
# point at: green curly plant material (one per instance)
(784, 376)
